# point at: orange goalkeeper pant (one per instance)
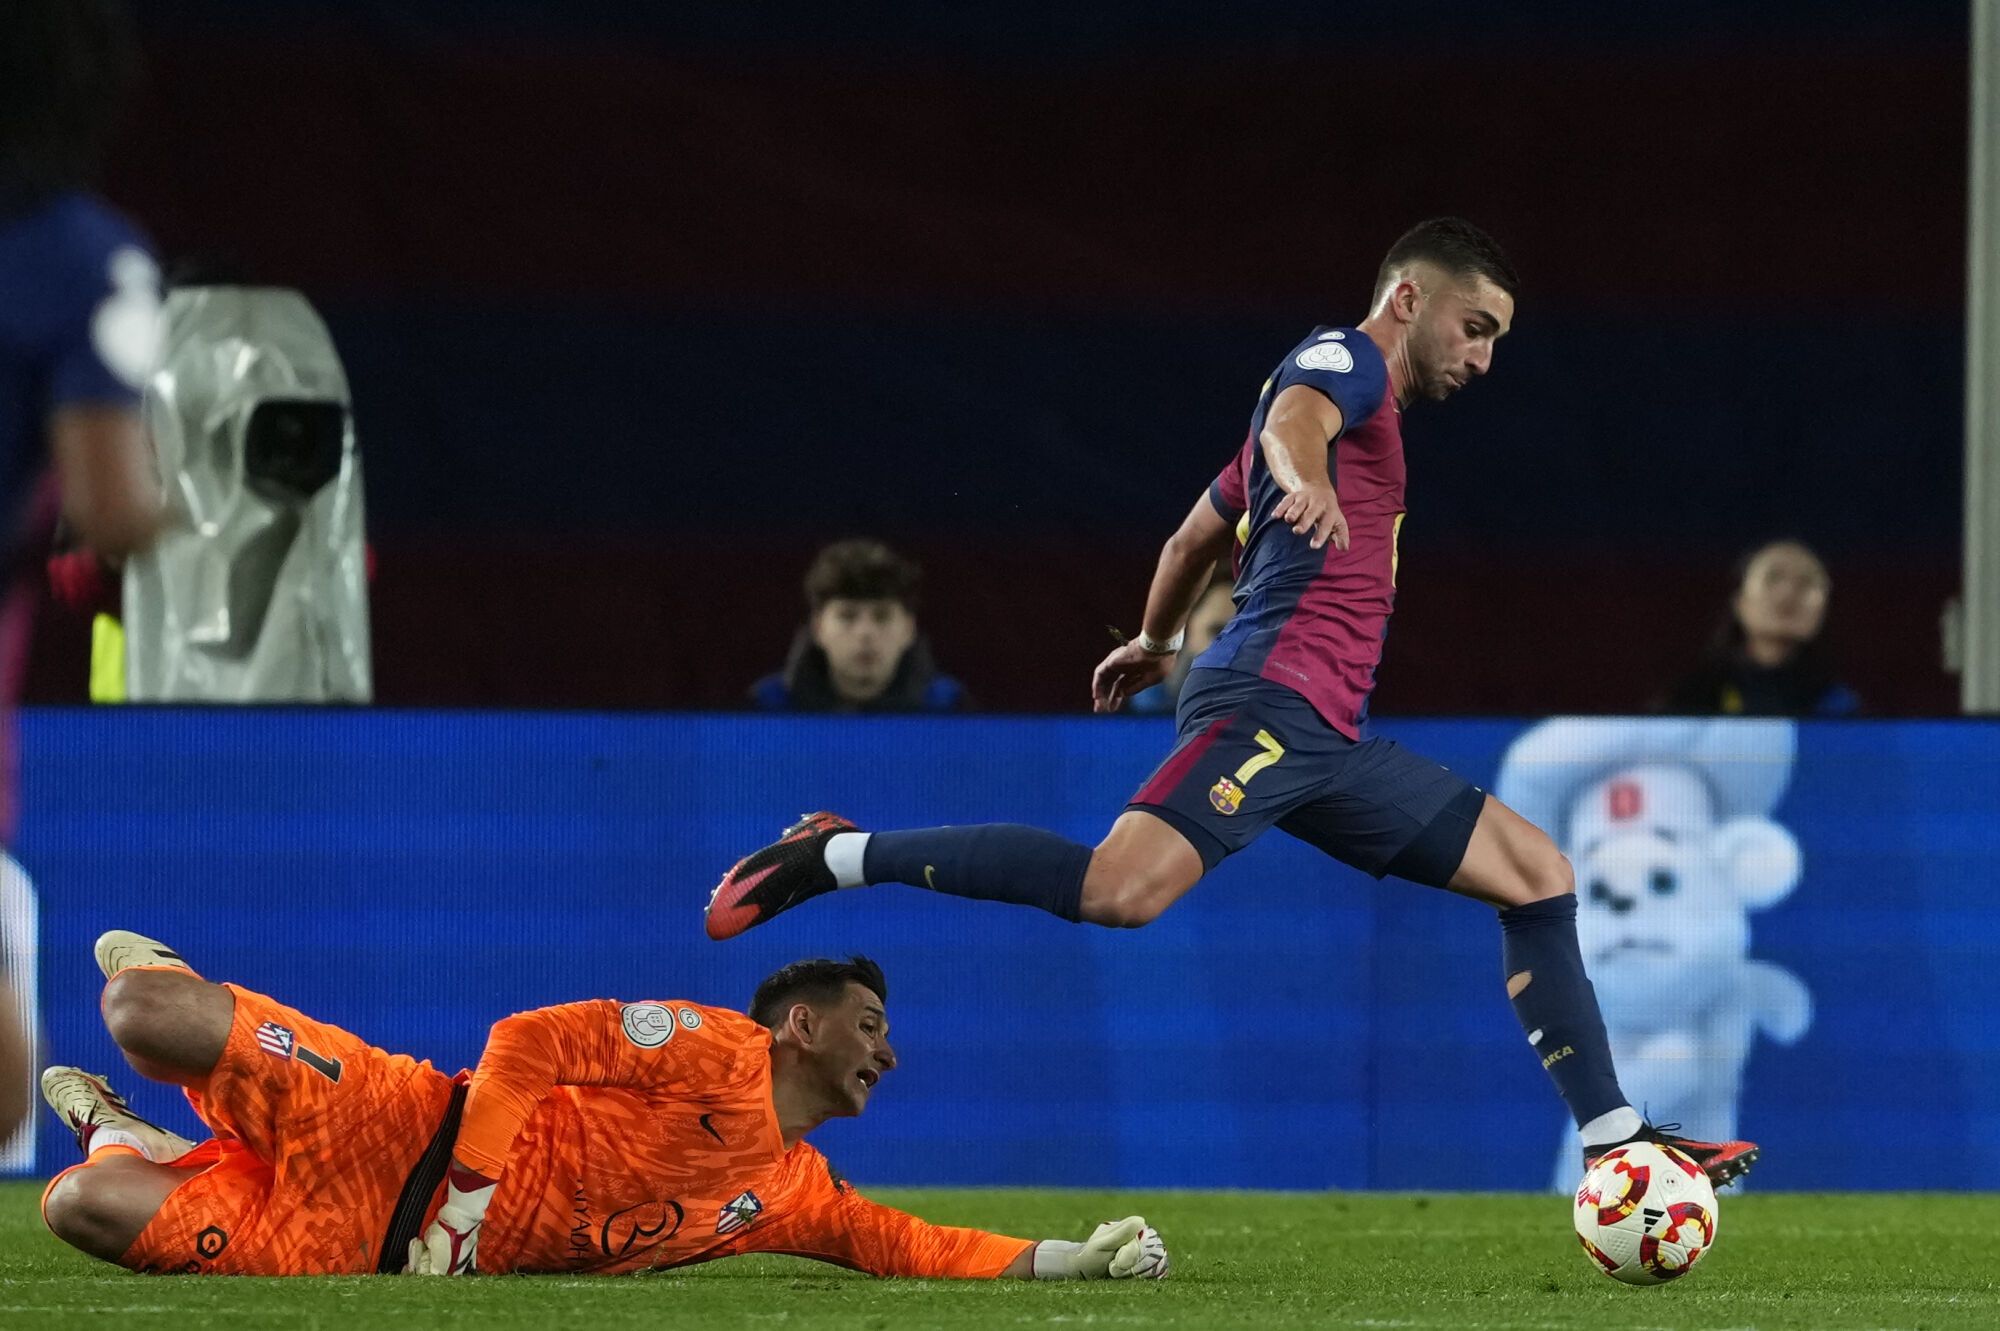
(316, 1134)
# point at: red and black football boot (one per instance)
(1723, 1162)
(775, 879)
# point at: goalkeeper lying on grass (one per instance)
(593, 1137)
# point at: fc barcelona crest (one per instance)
(1226, 796)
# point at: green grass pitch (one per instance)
(1262, 1260)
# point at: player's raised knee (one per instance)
(1121, 914)
(1123, 902)
(1545, 872)
(77, 1211)
(103, 1207)
(1140, 869)
(152, 1011)
(131, 1004)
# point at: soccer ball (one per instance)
(1646, 1213)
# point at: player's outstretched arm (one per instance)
(1128, 1249)
(1186, 562)
(843, 1227)
(110, 492)
(1301, 423)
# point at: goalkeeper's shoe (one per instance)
(1723, 1162)
(121, 949)
(86, 1104)
(775, 879)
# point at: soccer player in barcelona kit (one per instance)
(1270, 718)
(594, 1138)
(79, 325)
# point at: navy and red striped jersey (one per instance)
(1314, 620)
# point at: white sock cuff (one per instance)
(843, 858)
(101, 1137)
(1621, 1124)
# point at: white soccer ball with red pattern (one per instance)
(1646, 1214)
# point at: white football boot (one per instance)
(86, 1104)
(121, 949)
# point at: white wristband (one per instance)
(1055, 1259)
(1152, 646)
(464, 1208)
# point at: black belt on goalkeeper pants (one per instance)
(406, 1222)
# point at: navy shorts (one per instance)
(1252, 754)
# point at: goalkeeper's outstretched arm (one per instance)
(1125, 1249)
(850, 1230)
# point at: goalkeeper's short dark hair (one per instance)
(1455, 245)
(820, 981)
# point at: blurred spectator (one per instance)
(1768, 657)
(859, 650)
(79, 326)
(1205, 621)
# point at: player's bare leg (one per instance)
(103, 1208)
(1512, 864)
(1142, 867)
(103, 1205)
(171, 1025)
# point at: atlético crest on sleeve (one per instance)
(739, 1212)
(275, 1039)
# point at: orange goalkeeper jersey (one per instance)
(642, 1135)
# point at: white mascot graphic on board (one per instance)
(1668, 823)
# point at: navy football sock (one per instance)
(1557, 1006)
(992, 861)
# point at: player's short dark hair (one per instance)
(1455, 245)
(66, 67)
(862, 570)
(820, 980)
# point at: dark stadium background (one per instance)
(641, 302)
